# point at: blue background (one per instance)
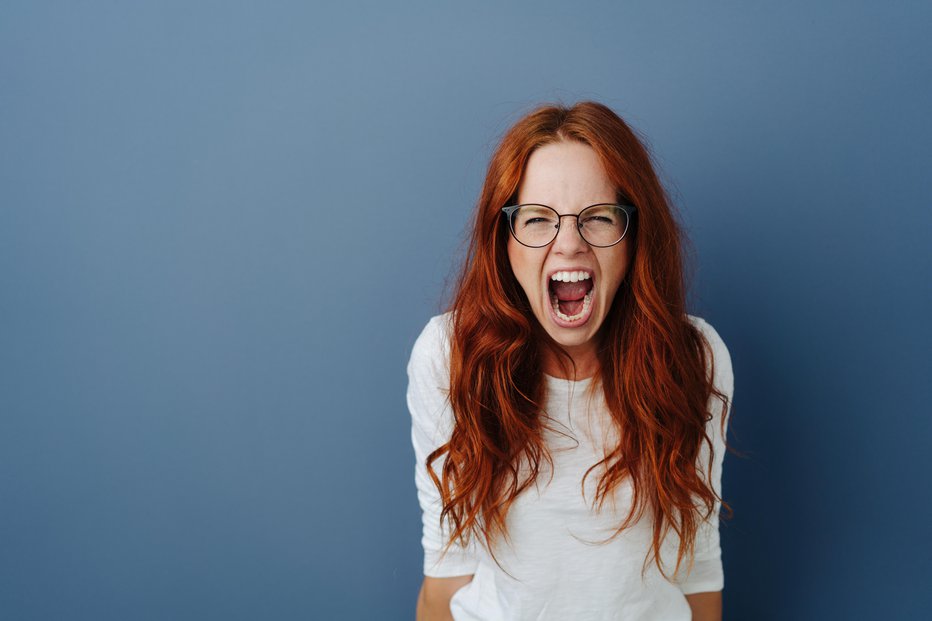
(222, 225)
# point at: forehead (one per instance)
(565, 175)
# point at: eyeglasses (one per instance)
(601, 225)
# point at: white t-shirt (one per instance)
(554, 572)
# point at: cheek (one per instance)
(522, 266)
(616, 269)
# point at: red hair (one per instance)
(653, 362)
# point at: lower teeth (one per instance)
(587, 301)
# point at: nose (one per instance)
(569, 240)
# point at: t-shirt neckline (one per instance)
(561, 383)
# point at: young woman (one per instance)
(569, 416)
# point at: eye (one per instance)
(533, 216)
(601, 219)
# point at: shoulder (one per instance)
(428, 384)
(711, 335)
(720, 359)
(430, 355)
(434, 338)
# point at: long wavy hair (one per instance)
(653, 364)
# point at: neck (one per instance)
(584, 357)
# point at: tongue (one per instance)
(570, 308)
(570, 295)
(571, 291)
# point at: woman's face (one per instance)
(568, 177)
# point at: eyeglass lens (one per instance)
(600, 225)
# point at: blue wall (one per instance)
(222, 225)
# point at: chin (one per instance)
(574, 337)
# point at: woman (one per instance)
(568, 415)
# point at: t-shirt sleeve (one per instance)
(707, 572)
(431, 426)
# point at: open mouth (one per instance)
(570, 294)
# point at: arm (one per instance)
(433, 602)
(703, 585)
(705, 606)
(431, 424)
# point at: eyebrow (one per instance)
(622, 201)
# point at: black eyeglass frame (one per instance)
(511, 209)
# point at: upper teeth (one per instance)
(570, 276)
